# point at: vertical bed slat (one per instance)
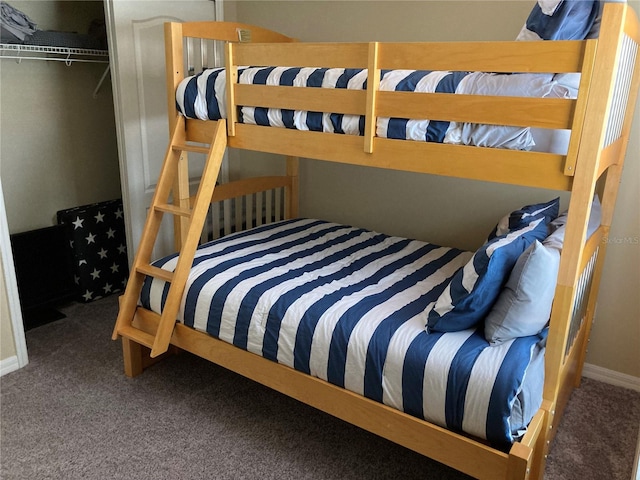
(215, 53)
(189, 60)
(215, 220)
(238, 213)
(373, 84)
(203, 54)
(259, 208)
(249, 216)
(226, 216)
(278, 210)
(269, 207)
(581, 303)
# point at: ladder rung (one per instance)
(137, 335)
(190, 148)
(155, 272)
(173, 209)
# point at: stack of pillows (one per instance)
(510, 281)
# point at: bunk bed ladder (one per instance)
(195, 218)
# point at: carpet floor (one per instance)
(72, 414)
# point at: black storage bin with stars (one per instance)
(97, 240)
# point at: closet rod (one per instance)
(68, 61)
(68, 55)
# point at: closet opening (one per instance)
(59, 153)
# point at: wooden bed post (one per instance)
(601, 150)
(132, 357)
(136, 357)
(174, 73)
(174, 60)
(611, 163)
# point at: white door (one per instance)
(137, 61)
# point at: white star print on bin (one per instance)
(77, 223)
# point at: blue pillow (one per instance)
(524, 305)
(519, 218)
(474, 288)
(570, 20)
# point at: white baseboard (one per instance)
(9, 365)
(611, 377)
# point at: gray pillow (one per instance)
(524, 304)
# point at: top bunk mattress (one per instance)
(350, 306)
(203, 96)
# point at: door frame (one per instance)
(20, 359)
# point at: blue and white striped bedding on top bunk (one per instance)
(203, 97)
(350, 306)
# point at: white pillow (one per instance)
(558, 225)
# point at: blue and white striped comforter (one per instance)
(203, 97)
(350, 306)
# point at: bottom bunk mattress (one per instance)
(350, 306)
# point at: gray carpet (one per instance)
(72, 414)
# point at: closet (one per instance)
(58, 138)
(59, 146)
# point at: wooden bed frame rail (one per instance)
(452, 160)
(600, 122)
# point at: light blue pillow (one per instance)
(475, 287)
(524, 304)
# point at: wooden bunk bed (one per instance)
(599, 120)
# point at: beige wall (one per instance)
(57, 143)
(615, 341)
(441, 210)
